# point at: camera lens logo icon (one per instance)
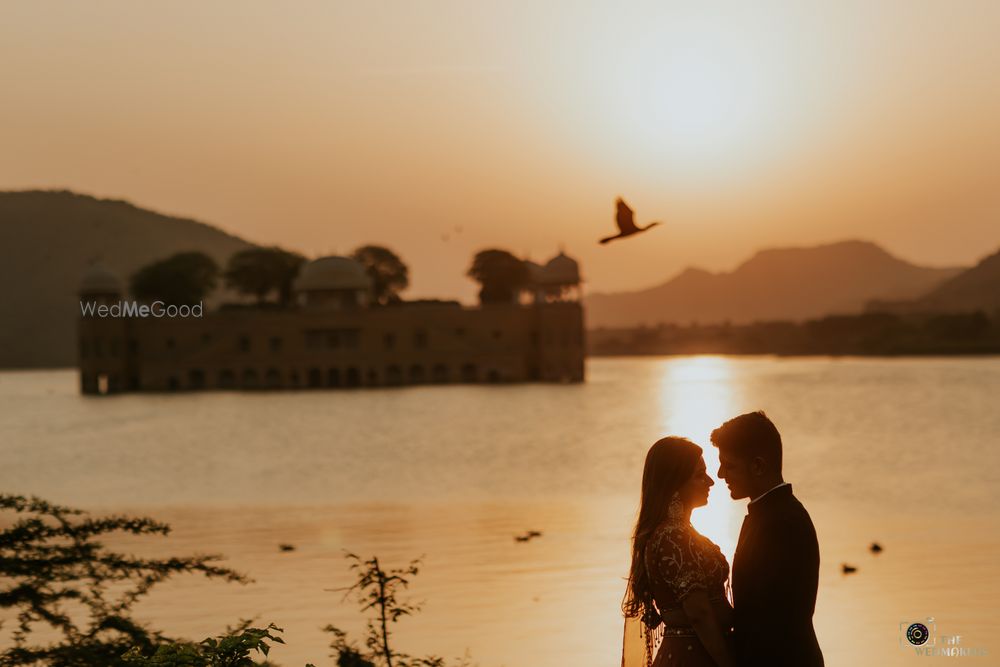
(917, 634)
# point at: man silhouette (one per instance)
(776, 566)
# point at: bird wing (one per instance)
(625, 217)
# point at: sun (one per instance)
(699, 105)
(700, 97)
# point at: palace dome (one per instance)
(99, 279)
(333, 273)
(560, 270)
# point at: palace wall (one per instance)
(259, 348)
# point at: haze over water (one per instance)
(901, 451)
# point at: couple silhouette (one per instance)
(680, 610)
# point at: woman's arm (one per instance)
(706, 624)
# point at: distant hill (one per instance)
(975, 289)
(47, 240)
(775, 284)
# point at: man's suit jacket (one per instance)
(775, 576)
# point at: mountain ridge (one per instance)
(788, 283)
(47, 240)
(49, 237)
(975, 289)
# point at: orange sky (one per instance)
(322, 126)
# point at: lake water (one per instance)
(902, 451)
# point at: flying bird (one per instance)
(625, 217)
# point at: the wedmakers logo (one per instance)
(922, 638)
(917, 634)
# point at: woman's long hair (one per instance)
(670, 463)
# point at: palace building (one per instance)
(333, 336)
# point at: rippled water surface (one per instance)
(903, 451)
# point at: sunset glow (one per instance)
(697, 396)
(345, 123)
(409, 313)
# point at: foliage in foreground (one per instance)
(234, 649)
(59, 580)
(376, 590)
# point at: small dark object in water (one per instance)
(875, 548)
(287, 547)
(848, 569)
(530, 535)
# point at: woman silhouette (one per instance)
(676, 595)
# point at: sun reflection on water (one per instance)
(697, 394)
